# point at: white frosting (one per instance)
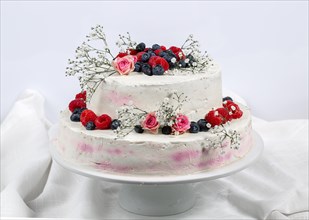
(148, 153)
(203, 91)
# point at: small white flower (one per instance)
(173, 60)
(194, 64)
(233, 108)
(187, 60)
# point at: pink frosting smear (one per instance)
(117, 99)
(114, 151)
(185, 155)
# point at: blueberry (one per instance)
(182, 64)
(166, 130)
(78, 110)
(227, 98)
(90, 125)
(75, 117)
(138, 67)
(203, 124)
(151, 53)
(171, 53)
(163, 53)
(140, 47)
(145, 57)
(194, 127)
(158, 70)
(156, 47)
(169, 57)
(146, 68)
(115, 124)
(138, 129)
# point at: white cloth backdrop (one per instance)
(32, 185)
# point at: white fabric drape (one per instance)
(32, 185)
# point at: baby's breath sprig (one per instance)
(170, 107)
(232, 135)
(92, 65)
(125, 42)
(129, 116)
(198, 61)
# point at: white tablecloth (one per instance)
(32, 185)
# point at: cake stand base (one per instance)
(157, 200)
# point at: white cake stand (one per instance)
(161, 195)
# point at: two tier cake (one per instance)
(150, 111)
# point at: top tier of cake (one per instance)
(203, 91)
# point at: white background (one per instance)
(262, 47)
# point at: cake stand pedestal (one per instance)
(161, 195)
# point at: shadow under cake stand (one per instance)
(161, 195)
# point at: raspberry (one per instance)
(227, 102)
(214, 118)
(103, 122)
(81, 95)
(178, 52)
(152, 61)
(156, 60)
(120, 55)
(225, 114)
(77, 103)
(233, 109)
(158, 51)
(133, 52)
(163, 48)
(86, 116)
(164, 64)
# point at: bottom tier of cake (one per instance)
(149, 154)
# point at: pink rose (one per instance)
(182, 123)
(124, 65)
(150, 123)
